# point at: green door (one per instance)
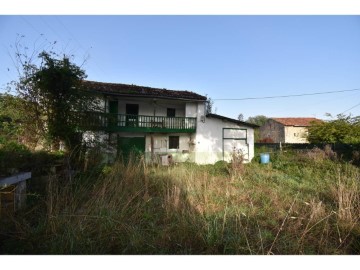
(113, 110)
(128, 145)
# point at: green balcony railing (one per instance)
(139, 123)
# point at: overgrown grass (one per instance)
(305, 203)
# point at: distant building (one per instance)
(286, 130)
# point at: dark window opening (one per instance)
(170, 112)
(113, 106)
(173, 142)
(132, 109)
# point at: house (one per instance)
(286, 130)
(166, 123)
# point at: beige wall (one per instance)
(296, 134)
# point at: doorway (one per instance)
(132, 112)
(131, 145)
(113, 110)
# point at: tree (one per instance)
(257, 120)
(209, 105)
(10, 118)
(55, 97)
(241, 117)
(344, 129)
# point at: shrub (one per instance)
(17, 157)
(13, 156)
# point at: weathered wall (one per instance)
(285, 134)
(151, 107)
(205, 147)
(191, 109)
(296, 134)
(273, 130)
(209, 141)
(161, 146)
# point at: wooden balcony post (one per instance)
(152, 147)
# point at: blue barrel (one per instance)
(264, 158)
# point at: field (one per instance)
(300, 203)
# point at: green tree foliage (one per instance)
(9, 117)
(257, 120)
(241, 117)
(54, 96)
(344, 129)
(209, 105)
(16, 123)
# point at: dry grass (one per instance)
(133, 208)
(347, 194)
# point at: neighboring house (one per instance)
(161, 122)
(286, 130)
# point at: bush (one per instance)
(16, 157)
(13, 156)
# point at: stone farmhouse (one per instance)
(286, 130)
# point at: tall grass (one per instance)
(294, 205)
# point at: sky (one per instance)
(221, 56)
(244, 50)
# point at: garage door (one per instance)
(235, 141)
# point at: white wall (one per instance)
(149, 106)
(161, 146)
(95, 138)
(209, 141)
(191, 109)
(204, 147)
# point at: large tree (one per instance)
(55, 97)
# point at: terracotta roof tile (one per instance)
(297, 121)
(120, 89)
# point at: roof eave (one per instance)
(232, 120)
(146, 96)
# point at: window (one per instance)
(170, 112)
(173, 142)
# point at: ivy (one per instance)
(55, 97)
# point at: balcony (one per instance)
(139, 123)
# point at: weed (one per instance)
(301, 203)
